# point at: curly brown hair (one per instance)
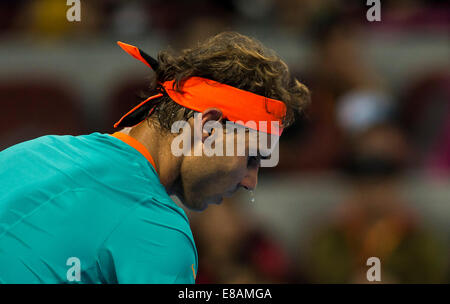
(229, 58)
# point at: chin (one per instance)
(200, 208)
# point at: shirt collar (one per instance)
(133, 142)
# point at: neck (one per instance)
(158, 145)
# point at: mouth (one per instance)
(220, 200)
(230, 193)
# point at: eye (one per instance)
(253, 161)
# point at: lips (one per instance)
(230, 193)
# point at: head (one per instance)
(238, 61)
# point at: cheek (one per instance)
(225, 172)
(214, 174)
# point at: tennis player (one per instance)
(97, 208)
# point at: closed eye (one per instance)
(254, 161)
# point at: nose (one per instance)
(250, 180)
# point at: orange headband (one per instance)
(199, 93)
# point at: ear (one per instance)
(210, 114)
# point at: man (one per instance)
(96, 208)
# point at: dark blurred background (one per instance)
(365, 172)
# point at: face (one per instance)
(208, 179)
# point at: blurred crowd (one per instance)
(186, 21)
(359, 125)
